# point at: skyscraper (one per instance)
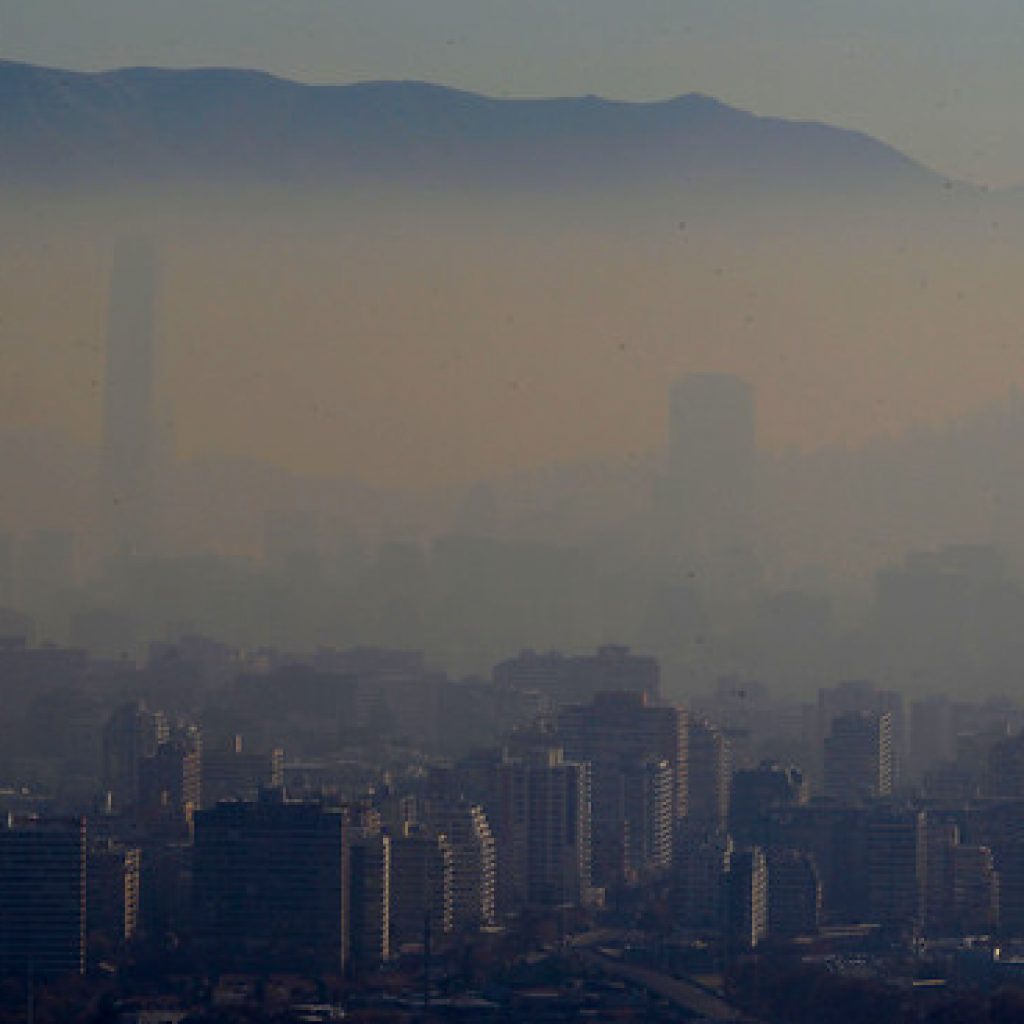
(129, 441)
(712, 462)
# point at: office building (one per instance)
(271, 885)
(896, 867)
(42, 897)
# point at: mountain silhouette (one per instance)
(145, 125)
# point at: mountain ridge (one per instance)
(223, 124)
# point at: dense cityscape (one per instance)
(202, 831)
(477, 555)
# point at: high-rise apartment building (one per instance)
(369, 900)
(863, 697)
(710, 778)
(543, 831)
(422, 878)
(113, 886)
(746, 899)
(473, 863)
(619, 726)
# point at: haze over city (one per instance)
(511, 512)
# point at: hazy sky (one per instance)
(940, 79)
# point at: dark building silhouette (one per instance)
(756, 792)
(794, 894)
(42, 896)
(421, 885)
(746, 899)
(113, 886)
(270, 885)
(897, 850)
(543, 831)
(132, 734)
(710, 775)
(369, 900)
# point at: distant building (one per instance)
(42, 896)
(712, 463)
(975, 891)
(129, 435)
(271, 885)
(132, 734)
(758, 791)
(619, 726)
(710, 777)
(858, 757)
(746, 899)
(113, 887)
(794, 894)
(896, 867)
(237, 774)
(170, 781)
(1005, 775)
(702, 862)
(863, 697)
(369, 901)
(568, 680)
(835, 836)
